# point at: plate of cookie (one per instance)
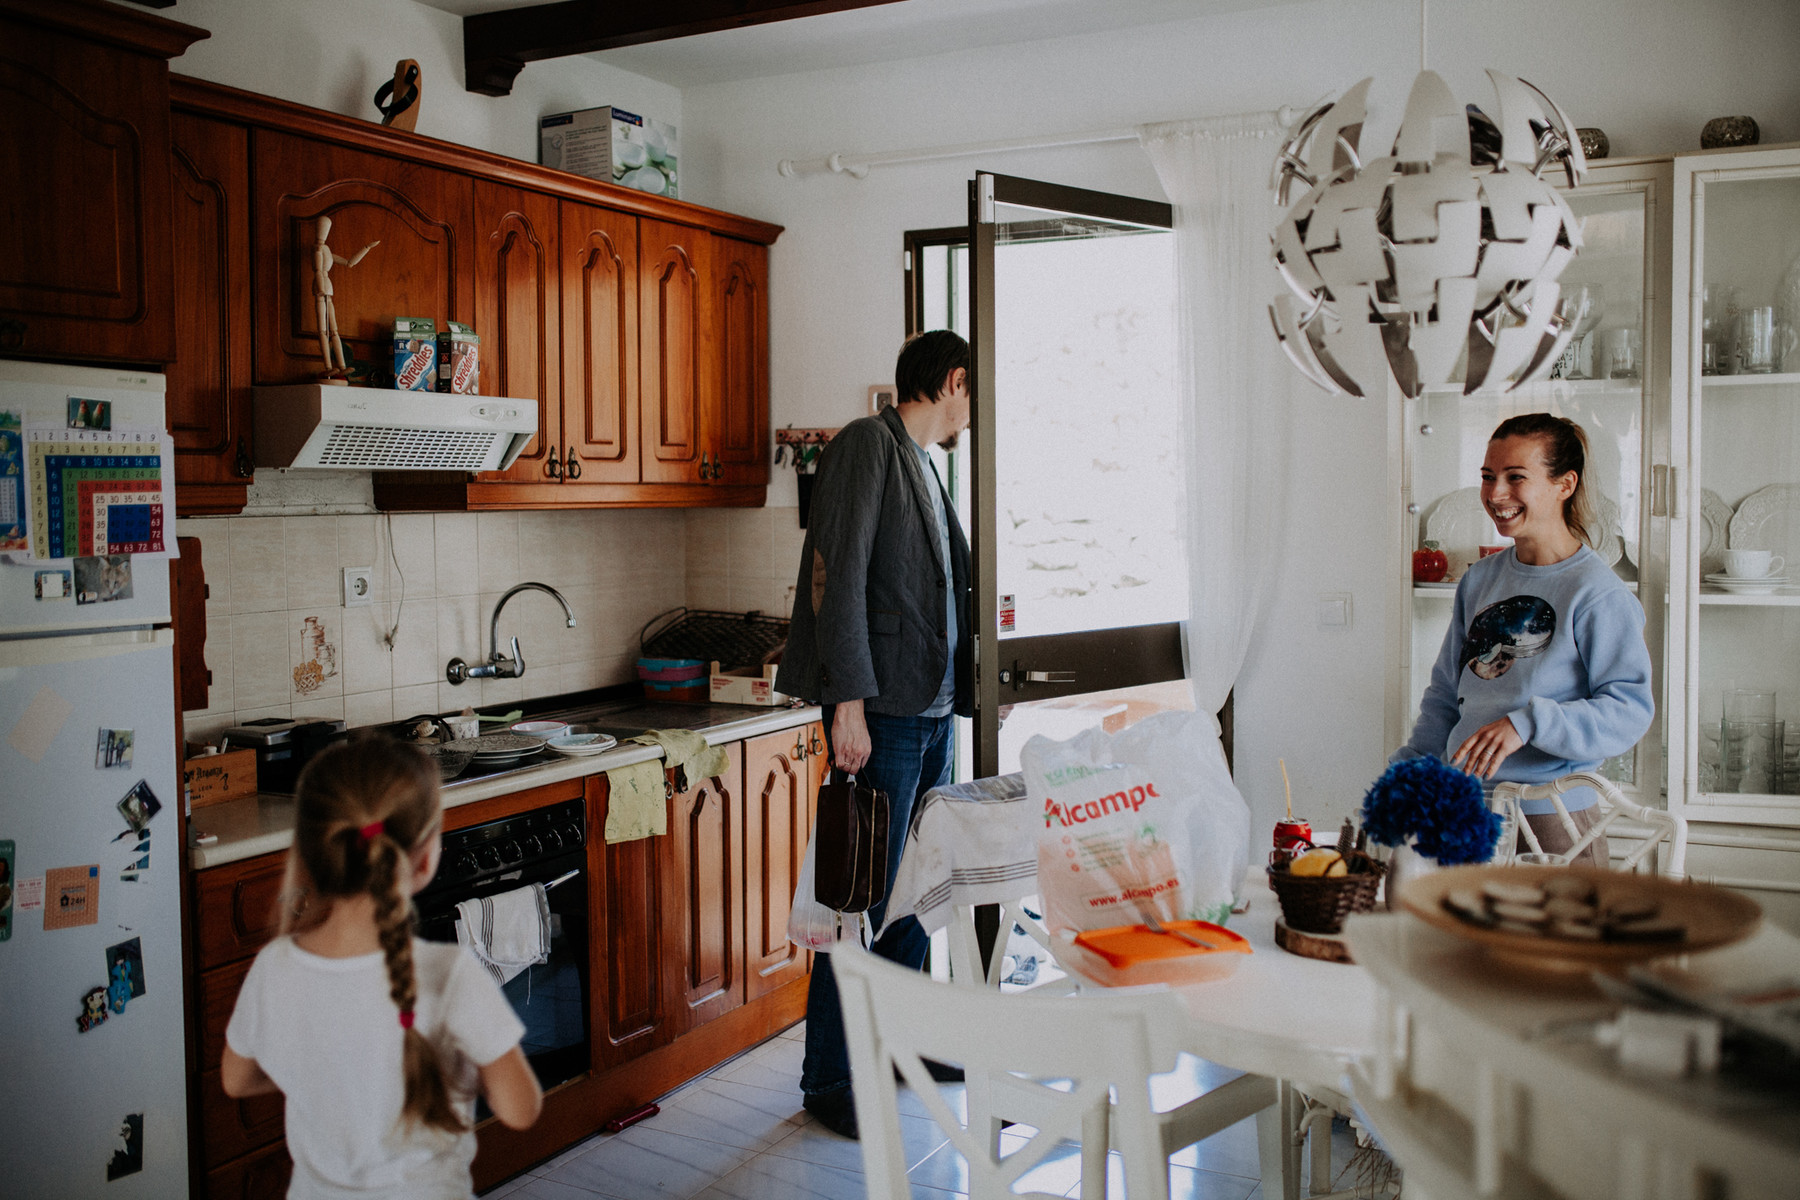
(1580, 918)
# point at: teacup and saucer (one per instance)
(1750, 572)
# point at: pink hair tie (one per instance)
(406, 1018)
(373, 830)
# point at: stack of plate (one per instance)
(501, 749)
(580, 745)
(1744, 586)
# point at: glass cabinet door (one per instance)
(1737, 570)
(1613, 381)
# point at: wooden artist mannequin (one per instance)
(323, 260)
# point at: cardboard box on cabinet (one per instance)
(613, 146)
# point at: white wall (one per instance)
(1649, 72)
(333, 54)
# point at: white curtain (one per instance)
(1242, 391)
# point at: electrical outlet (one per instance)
(359, 587)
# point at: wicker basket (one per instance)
(1319, 904)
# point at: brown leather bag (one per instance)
(850, 864)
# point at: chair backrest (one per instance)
(1663, 827)
(965, 948)
(1080, 1048)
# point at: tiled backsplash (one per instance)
(280, 642)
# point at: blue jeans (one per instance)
(908, 756)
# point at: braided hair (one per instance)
(1565, 448)
(362, 807)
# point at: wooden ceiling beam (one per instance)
(497, 45)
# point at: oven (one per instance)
(547, 846)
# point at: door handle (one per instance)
(572, 470)
(1049, 677)
(553, 464)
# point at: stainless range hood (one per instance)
(320, 426)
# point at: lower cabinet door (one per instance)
(780, 782)
(706, 932)
(256, 1176)
(626, 903)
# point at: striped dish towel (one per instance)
(970, 843)
(506, 932)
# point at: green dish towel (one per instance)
(688, 752)
(636, 804)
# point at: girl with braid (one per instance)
(378, 1040)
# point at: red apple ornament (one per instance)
(1429, 564)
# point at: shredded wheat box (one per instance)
(613, 146)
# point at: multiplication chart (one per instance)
(98, 492)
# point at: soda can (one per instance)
(1293, 834)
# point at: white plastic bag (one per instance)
(1147, 818)
(811, 925)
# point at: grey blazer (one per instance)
(869, 621)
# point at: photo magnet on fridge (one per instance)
(50, 585)
(128, 1157)
(93, 1010)
(7, 853)
(113, 748)
(98, 580)
(128, 955)
(89, 414)
(139, 805)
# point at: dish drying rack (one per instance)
(732, 640)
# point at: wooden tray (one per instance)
(1714, 916)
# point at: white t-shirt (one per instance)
(325, 1030)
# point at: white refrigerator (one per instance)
(93, 1080)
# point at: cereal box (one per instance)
(459, 360)
(415, 354)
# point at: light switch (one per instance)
(1334, 610)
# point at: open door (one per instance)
(1076, 482)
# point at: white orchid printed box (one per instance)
(611, 145)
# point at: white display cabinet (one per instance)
(1615, 382)
(1736, 441)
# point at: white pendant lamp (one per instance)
(1443, 254)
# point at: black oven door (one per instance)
(551, 997)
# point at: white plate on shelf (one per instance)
(1769, 519)
(1747, 587)
(1441, 585)
(1715, 516)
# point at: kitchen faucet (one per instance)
(498, 666)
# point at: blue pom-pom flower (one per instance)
(1436, 807)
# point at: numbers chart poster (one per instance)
(95, 493)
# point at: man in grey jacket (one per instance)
(880, 638)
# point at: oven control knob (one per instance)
(552, 839)
(509, 850)
(489, 858)
(466, 865)
(571, 834)
(533, 846)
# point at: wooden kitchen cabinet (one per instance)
(517, 316)
(782, 774)
(737, 380)
(208, 383)
(84, 151)
(705, 936)
(423, 266)
(627, 890)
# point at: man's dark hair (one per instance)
(926, 361)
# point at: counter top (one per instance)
(264, 823)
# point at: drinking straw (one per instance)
(1287, 788)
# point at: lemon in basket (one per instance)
(1319, 861)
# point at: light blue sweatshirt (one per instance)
(1557, 650)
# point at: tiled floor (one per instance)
(740, 1134)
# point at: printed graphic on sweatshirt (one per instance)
(1513, 628)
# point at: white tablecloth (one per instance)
(971, 843)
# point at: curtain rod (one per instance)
(858, 166)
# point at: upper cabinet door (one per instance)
(1735, 721)
(516, 316)
(84, 210)
(421, 268)
(209, 381)
(600, 344)
(738, 406)
(674, 344)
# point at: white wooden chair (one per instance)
(1662, 827)
(1088, 1057)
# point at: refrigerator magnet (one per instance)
(113, 748)
(102, 578)
(93, 1010)
(28, 895)
(48, 585)
(73, 897)
(139, 805)
(7, 853)
(128, 1156)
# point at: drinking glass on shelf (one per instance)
(1751, 755)
(1584, 304)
